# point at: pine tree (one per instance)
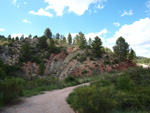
(48, 33)
(42, 42)
(97, 47)
(41, 68)
(121, 48)
(69, 39)
(132, 55)
(26, 52)
(82, 40)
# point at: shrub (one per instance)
(87, 99)
(116, 61)
(84, 71)
(10, 88)
(82, 59)
(106, 62)
(124, 83)
(70, 79)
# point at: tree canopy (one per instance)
(97, 47)
(121, 48)
(48, 33)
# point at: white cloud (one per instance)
(148, 6)
(2, 29)
(19, 35)
(25, 3)
(41, 12)
(18, 6)
(127, 13)
(76, 6)
(137, 35)
(117, 24)
(26, 21)
(100, 6)
(14, 1)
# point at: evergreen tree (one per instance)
(26, 52)
(121, 48)
(57, 36)
(48, 33)
(17, 38)
(43, 42)
(41, 68)
(69, 39)
(29, 36)
(90, 42)
(97, 47)
(132, 55)
(82, 39)
(64, 39)
(77, 39)
(9, 38)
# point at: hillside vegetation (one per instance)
(123, 92)
(31, 65)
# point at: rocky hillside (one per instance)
(70, 60)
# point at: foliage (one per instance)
(82, 40)
(41, 68)
(132, 55)
(10, 88)
(69, 39)
(48, 33)
(121, 48)
(42, 42)
(26, 52)
(97, 47)
(82, 59)
(127, 91)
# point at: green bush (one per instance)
(126, 91)
(124, 83)
(10, 88)
(70, 79)
(87, 99)
(116, 61)
(82, 59)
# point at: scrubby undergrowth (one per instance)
(124, 92)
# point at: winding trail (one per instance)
(50, 102)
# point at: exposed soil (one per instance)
(50, 102)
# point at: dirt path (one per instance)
(143, 65)
(50, 102)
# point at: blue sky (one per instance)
(108, 19)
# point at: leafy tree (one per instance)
(48, 33)
(26, 52)
(43, 42)
(69, 39)
(41, 68)
(121, 48)
(132, 55)
(57, 35)
(97, 47)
